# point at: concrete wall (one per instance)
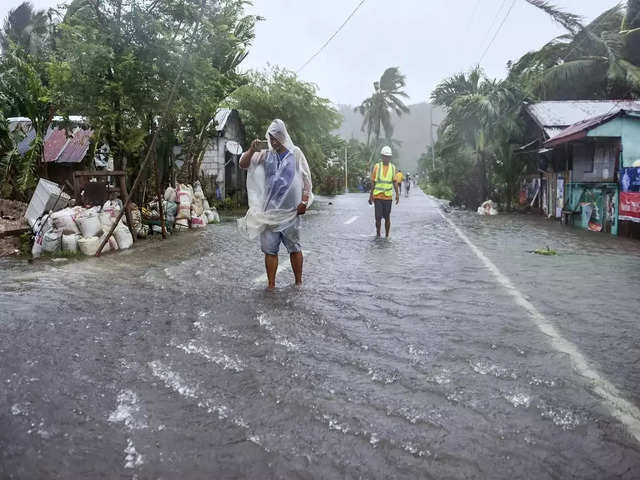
(628, 128)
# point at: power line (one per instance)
(493, 22)
(497, 31)
(331, 37)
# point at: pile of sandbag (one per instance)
(80, 229)
(193, 209)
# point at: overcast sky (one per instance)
(428, 39)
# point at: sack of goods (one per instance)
(197, 207)
(51, 242)
(70, 242)
(197, 191)
(112, 207)
(198, 222)
(41, 227)
(89, 246)
(63, 220)
(89, 223)
(170, 211)
(184, 202)
(123, 237)
(170, 194)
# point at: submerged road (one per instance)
(448, 351)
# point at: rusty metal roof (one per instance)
(54, 143)
(76, 147)
(555, 116)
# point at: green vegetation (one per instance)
(474, 153)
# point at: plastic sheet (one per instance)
(275, 192)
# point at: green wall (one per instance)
(628, 128)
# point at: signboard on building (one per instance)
(629, 208)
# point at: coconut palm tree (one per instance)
(376, 110)
(26, 28)
(600, 60)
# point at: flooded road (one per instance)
(448, 351)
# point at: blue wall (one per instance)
(626, 127)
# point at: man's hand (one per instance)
(397, 199)
(302, 208)
(370, 199)
(255, 145)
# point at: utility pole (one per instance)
(346, 177)
(433, 151)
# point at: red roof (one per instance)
(54, 142)
(76, 148)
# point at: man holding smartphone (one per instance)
(280, 190)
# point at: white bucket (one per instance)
(89, 246)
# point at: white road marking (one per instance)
(351, 220)
(618, 406)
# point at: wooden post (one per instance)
(159, 195)
(124, 194)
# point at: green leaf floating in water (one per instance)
(544, 251)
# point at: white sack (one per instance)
(63, 221)
(70, 242)
(89, 246)
(51, 242)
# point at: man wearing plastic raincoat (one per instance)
(279, 189)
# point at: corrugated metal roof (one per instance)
(579, 130)
(25, 144)
(76, 147)
(565, 113)
(54, 142)
(221, 117)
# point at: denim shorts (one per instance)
(270, 241)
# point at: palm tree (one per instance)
(479, 112)
(26, 28)
(600, 60)
(377, 109)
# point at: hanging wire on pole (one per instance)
(494, 22)
(513, 3)
(331, 37)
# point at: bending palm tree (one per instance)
(377, 109)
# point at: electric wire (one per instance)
(324, 45)
(513, 3)
(493, 22)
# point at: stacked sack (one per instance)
(198, 219)
(184, 196)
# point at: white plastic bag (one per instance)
(123, 237)
(170, 194)
(70, 242)
(41, 227)
(199, 222)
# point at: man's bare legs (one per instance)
(271, 264)
(378, 225)
(297, 261)
(387, 226)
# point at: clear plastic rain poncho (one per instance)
(275, 186)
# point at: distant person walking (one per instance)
(407, 185)
(399, 178)
(383, 182)
(280, 190)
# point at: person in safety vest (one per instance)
(383, 182)
(280, 190)
(399, 179)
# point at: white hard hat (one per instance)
(386, 151)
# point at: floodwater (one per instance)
(400, 358)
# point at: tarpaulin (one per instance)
(629, 209)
